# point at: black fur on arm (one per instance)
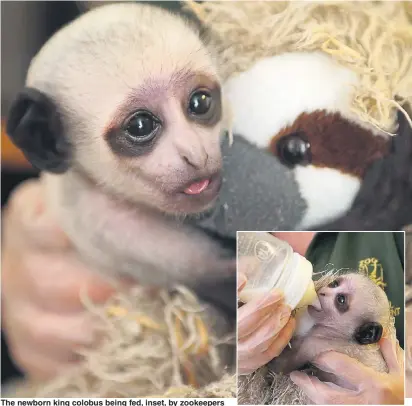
(384, 201)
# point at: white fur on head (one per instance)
(101, 56)
(95, 64)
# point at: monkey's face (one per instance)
(137, 111)
(162, 146)
(348, 304)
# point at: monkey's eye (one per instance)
(142, 126)
(334, 284)
(200, 102)
(294, 149)
(341, 303)
(340, 300)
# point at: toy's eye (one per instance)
(200, 103)
(334, 284)
(142, 126)
(294, 149)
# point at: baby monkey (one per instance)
(122, 112)
(350, 318)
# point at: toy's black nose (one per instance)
(258, 192)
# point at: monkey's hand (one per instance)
(264, 329)
(43, 316)
(356, 384)
(384, 201)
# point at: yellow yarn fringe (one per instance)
(371, 38)
(158, 345)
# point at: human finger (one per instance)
(37, 365)
(249, 361)
(266, 332)
(28, 220)
(388, 348)
(401, 357)
(55, 281)
(282, 340)
(53, 337)
(241, 281)
(322, 393)
(252, 313)
(51, 330)
(344, 367)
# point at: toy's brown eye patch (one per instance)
(330, 141)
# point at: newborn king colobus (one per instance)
(126, 125)
(352, 315)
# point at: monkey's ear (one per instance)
(368, 333)
(34, 126)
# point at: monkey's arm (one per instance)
(303, 351)
(134, 240)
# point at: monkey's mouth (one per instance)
(197, 187)
(316, 305)
(204, 187)
(196, 195)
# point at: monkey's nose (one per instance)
(197, 161)
(322, 294)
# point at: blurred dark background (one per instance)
(25, 27)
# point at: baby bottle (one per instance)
(270, 263)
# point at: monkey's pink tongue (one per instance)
(197, 187)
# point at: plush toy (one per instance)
(321, 95)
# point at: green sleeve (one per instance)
(380, 255)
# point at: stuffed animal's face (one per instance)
(298, 106)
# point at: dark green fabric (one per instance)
(380, 255)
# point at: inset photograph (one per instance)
(321, 318)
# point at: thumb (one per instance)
(322, 393)
(28, 218)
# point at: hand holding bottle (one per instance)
(265, 327)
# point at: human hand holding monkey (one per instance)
(357, 383)
(264, 328)
(43, 316)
